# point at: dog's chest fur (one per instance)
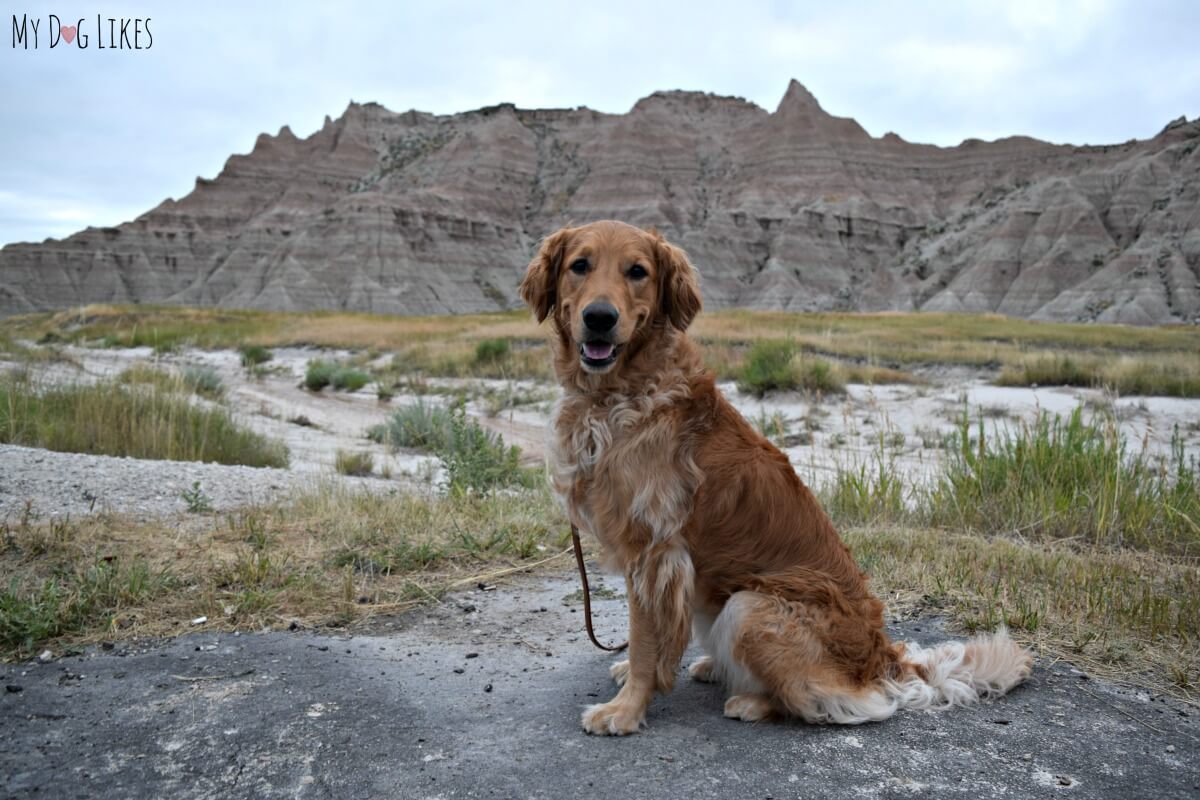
(620, 466)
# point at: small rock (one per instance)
(199, 620)
(459, 670)
(45, 656)
(1170, 748)
(1027, 757)
(106, 645)
(13, 688)
(487, 688)
(472, 655)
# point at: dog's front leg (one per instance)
(625, 713)
(659, 591)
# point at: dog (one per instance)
(707, 520)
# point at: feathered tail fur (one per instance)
(939, 677)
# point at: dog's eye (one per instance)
(579, 266)
(637, 272)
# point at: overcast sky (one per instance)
(96, 137)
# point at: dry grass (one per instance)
(150, 419)
(898, 339)
(1128, 616)
(354, 462)
(873, 347)
(203, 381)
(331, 555)
(167, 327)
(336, 556)
(1167, 374)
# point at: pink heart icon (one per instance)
(68, 32)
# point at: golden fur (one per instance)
(708, 521)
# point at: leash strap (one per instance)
(587, 596)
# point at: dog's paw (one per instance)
(703, 670)
(620, 672)
(613, 719)
(747, 707)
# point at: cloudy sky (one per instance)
(96, 136)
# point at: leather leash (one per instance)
(587, 599)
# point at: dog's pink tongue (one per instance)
(597, 351)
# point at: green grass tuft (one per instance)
(476, 459)
(349, 379)
(866, 493)
(195, 498)
(319, 375)
(491, 351)
(254, 355)
(1064, 478)
(778, 365)
(72, 602)
(421, 425)
(204, 381)
(768, 367)
(340, 376)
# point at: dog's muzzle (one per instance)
(598, 351)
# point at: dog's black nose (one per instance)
(600, 316)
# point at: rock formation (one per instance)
(412, 213)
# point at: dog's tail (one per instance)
(947, 675)
(959, 673)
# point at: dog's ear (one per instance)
(679, 284)
(539, 288)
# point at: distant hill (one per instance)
(412, 213)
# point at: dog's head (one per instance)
(609, 284)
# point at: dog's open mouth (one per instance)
(598, 354)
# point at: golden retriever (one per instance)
(706, 519)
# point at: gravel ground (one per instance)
(57, 484)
